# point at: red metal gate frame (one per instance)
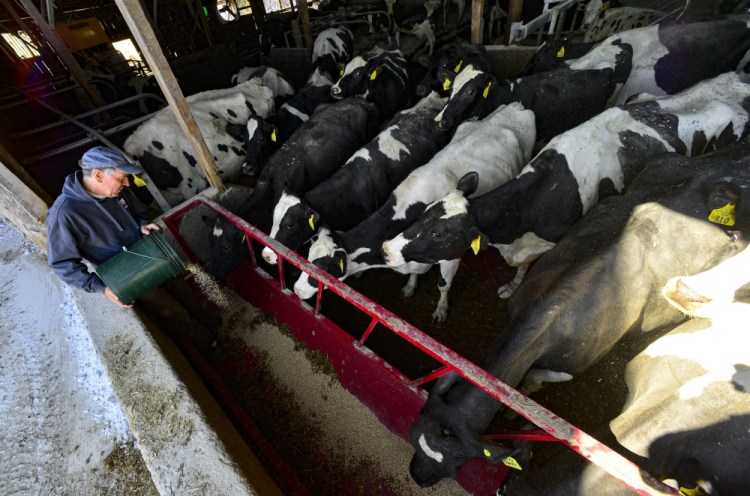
(556, 428)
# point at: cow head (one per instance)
(327, 253)
(227, 246)
(353, 79)
(443, 232)
(294, 222)
(471, 89)
(260, 143)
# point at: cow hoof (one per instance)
(505, 292)
(439, 316)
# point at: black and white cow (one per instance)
(526, 216)
(599, 283)
(320, 146)
(708, 293)
(420, 22)
(659, 60)
(480, 156)
(365, 181)
(446, 63)
(333, 46)
(379, 76)
(268, 76)
(609, 21)
(688, 407)
(221, 115)
(554, 53)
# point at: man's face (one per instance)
(112, 184)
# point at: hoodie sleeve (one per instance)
(139, 210)
(65, 259)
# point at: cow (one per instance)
(221, 115)
(601, 24)
(708, 293)
(659, 60)
(320, 146)
(379, 76)
(526, 216)
(333, 46)
(599, 283)
(363, 184)
(553, 54)
(420, 22)
(268, 76)
(688, 406)
(448, 61)
(480, 156)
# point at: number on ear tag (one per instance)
(373, 75)
(487, 90)
(273, 136)
(138, 181)
(447, 84)
(457, 69)
(475, 244)
(561, 53)
(311, 221)
(723, 215)
(512, 463)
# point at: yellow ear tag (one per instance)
(138, 181)
(696, 491)
(341, 72)
(487, 453)
(273, 136)
(457, 69)
(244, 237)
(476, 244)
(561, 53)
(487, 90)
(447, 84)
(512, 463)
(373, 75)
(341, 266)
(311, 222)
(723, 215)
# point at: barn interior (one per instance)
(81, 73)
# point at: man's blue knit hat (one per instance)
(101, 157)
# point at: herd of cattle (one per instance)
(613, 173)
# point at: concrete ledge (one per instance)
(187, 443)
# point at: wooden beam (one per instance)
(306, 30)
(140, 27)
(477, 23)
(514, 15)
(60, 48)
(23, 208)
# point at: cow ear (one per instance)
(476, 239)
(340, 257)
(342, 68)
(721, 202)
(446, 78)
(312, 219)
(495, 453)
(468, 184)
(374, 72)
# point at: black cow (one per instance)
(315, 151)
(553, 54)
(332, 47)
(599, 283)
(526, 216)
(380, 76)
(447, 62)
(363, 184)
(659, 60)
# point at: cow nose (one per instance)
(269, 256)
(386, 255)
(442, 125)
(335, 90)
(684, 296)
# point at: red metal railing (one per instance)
(556, 428)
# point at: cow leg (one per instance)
(506, 290)
(411, 285)
(447, 273)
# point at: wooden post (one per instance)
(60, 48)
(477, 23)
(140, 27)
(306, 30)
(514, 15)
(23, 208)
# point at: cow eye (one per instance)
(470, 92)
(436, 235)
(446, 432)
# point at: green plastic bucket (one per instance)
(140, 268)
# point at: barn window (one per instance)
(127, 49)
(21, 44)
(277, 5)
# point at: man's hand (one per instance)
(150, 227)
(113, 298)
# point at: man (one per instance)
(93, 219)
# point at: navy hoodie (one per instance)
(80, 226)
